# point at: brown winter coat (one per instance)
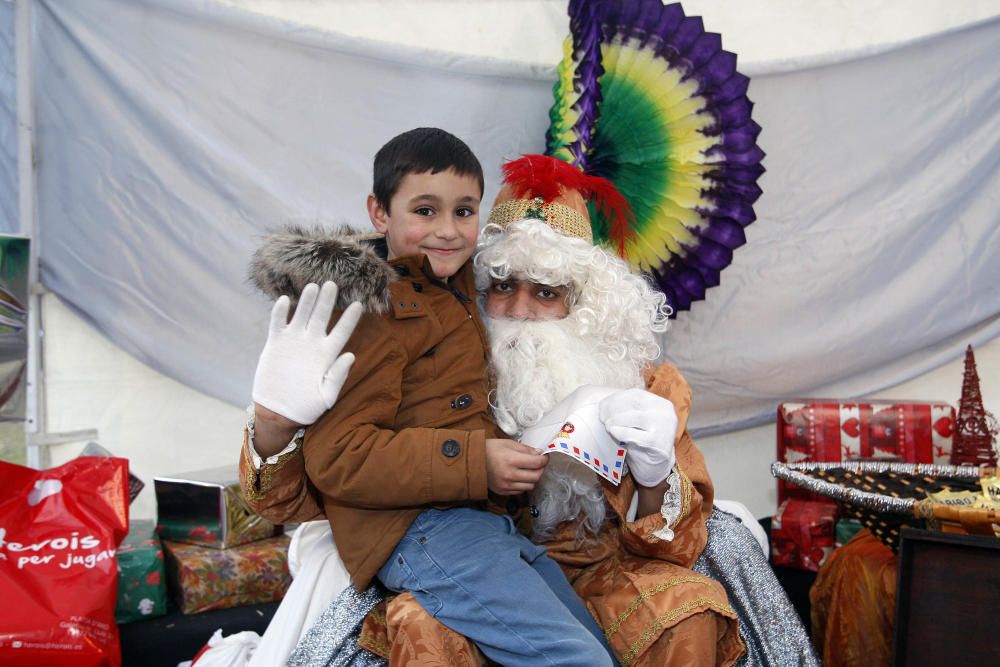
(409, 428)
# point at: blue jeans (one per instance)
(477, 575)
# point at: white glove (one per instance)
(301, 370)
(646, 424)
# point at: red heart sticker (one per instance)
(851, 427)
(945, 427)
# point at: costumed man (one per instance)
(563, 313)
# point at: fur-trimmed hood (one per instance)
(288, 261)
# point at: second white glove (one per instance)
(301, 369)
(647, 425)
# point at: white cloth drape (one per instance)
(319, 576)
(172, 134)
(8, 120)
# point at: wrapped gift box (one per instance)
(135, 485)
(142, 581)
(845, 530)
(203, 578)
(207, 508)
(802, 533)
(828, 431)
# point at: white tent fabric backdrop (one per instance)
(171, 135)
(8, 120)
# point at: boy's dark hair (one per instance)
(418, 151)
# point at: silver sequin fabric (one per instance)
(333, 640)
(769, 625)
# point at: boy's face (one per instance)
(432, 214)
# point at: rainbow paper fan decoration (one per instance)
(649, 100)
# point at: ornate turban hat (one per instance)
(552, 191)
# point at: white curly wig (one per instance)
(608, 300)
(608, 338)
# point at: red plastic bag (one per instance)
(59, 531)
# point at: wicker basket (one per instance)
(887, 496)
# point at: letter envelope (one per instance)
(573, 427)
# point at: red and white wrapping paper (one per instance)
(829, 431)
(803, 534)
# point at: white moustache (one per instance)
(535, 365)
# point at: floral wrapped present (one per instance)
(142, 585)
(203, 578)
(802, 533)
(831, 431)
(208, 508)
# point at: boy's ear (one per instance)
(377, 214)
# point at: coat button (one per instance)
(513, 506)
(450, 448)
(462, 402)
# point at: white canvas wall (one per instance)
(166, 428)
(767, 33)
(8, 119)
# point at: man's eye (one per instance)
(503, 286)
(424, 210)
(465, 212)
(550, 293)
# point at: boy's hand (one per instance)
(301, 370)
(512, 467)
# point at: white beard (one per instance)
(535, 365)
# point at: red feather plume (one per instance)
(548, 177)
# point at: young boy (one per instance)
(402, 464)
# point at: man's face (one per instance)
(513, 299)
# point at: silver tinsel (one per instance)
(769, 624)
(928, 469)
(874, 501)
